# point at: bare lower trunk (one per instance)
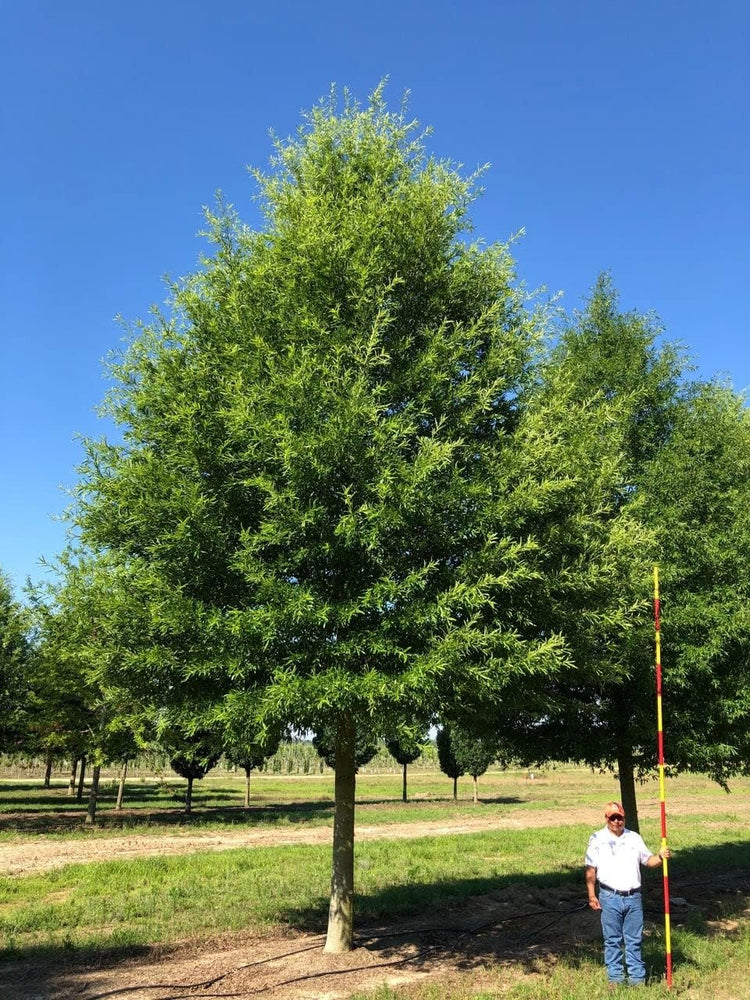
(73, 773)
(121, 789)
(247, 787)
(404, 789)
(476, 795)
(189, 796)
(81, 776)
(48, 771)
(341, 911)
(628, 800)
(455, 789)
(93, 795)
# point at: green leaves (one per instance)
(668, 459)
(15, 668)
(318, 445)
(347, 484)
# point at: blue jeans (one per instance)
(622, 924)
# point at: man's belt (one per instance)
(620, 892)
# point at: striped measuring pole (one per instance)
(662, 792)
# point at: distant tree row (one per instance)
(364, 483)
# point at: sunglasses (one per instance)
(616, 816)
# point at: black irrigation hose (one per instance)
(463, 932)
(205, 982)
(286, 982)
(718, 883)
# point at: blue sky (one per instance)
(617, 136)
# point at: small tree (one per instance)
(245, 746)
(473, 753)
(449, 762)
(191, 754)
(365, 747)
(405, 748)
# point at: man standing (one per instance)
(614, 857)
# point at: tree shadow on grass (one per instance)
(57, 798)
(507, 800)
(71, 818)
(444, 800)
(163, 805)
(530, 921)
(717, 877)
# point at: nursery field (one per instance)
(455, 900)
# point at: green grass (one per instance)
(160, 900)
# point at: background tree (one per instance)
(15, 665)
(192, 752)
(680, 451)
(447, 758)
(243, 746)
(325, 475)
(325, 743)
(405, 748)
(81, 634)
(473, 753)
(698, 499)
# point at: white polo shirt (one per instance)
(617, 860)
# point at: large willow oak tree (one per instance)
(321, 468)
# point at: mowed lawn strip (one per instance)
(160, 900)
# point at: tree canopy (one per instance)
(15, 657)
(680, 451)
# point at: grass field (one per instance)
(112, 908)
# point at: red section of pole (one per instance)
(662, 792)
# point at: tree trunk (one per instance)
(93, 794)
(455, 789)
(247, 787)
(189, 796)
(81, 776)
(121, 789)
(48, 771)
(73, 772)
(628, 800)
(341, 910)
(476, 795)
(404, 790)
